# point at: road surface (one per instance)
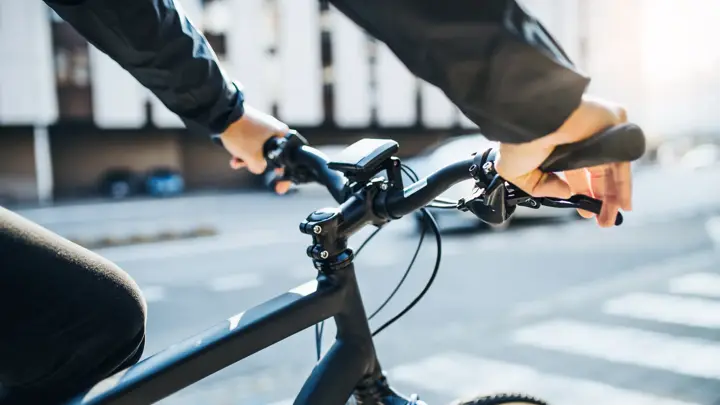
(564, 311)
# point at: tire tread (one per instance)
(502, 399)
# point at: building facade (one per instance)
(68, 113)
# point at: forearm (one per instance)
(495, 62)
(157, 44)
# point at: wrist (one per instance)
(593, 115)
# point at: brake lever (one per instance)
(578, 201)
(499, 198)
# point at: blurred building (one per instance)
(68, 113)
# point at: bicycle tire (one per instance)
(501, 399)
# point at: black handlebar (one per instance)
(424, 191)
(620, 143)
(302, 164)
(306, 164)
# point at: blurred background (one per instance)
(547, 304)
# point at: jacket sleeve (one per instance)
(490, 57)
(159, 46)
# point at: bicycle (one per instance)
(350, 369)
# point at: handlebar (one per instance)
(303, 163)
(425, 190)
(496, 202)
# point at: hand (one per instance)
(611, 183)
(244, 139)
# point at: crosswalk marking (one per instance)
(684, 355)
(704, 284)
(463, 375)
(608, 286)
(666, 308)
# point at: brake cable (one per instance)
(428, 219)
(413, 177)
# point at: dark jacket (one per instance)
(490, 57)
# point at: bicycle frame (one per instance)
(331, 382)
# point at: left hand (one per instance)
(611, 183)
(244, 139)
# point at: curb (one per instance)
(143, 238)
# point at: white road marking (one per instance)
(683, 355)
(235, 282)
(703, 284)
(666, 308)
(640, 276)
(284, 402)
(712, 226)
(457, 374)
(169, 250)
(153, 293)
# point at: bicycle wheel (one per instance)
(501, 399)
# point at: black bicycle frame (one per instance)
(351, 365)
(331, 382)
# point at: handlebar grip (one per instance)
(269, 145)
(620, 143)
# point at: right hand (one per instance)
(244, 139)
(611, 183)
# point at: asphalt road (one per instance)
(562, 310)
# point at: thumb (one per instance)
(256, 165)
(539, 184)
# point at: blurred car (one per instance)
(164, 182)
(452, 150)
(119, 183)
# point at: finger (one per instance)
(548, 185)
(237, 163)
(579, 181)
(597, 176)
(608, 213)
(257, 165)
(622, 176)
(610, 195)
(282, 187)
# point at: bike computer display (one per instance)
(364, 157)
